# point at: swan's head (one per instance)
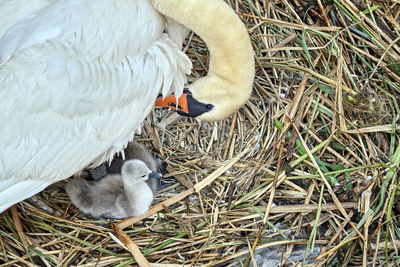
(228, 84)
(135, 171)
(215, 97)
(210, 98)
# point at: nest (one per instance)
(304, 173)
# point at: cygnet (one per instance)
(134, 150)
(119, 195)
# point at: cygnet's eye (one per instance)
(143, 176)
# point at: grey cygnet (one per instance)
(119, 195)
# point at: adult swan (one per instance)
(77, 77)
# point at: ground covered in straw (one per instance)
(327, 85)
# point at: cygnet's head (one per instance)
(135, 169)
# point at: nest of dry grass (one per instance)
(309, 164)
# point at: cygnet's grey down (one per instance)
(134, 150)
(128, 192)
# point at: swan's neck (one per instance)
(229, 81)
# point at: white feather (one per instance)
(76, 79)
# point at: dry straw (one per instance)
(327, 85)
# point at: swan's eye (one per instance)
(209, 106)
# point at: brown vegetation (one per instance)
(327, 84)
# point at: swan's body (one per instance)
(116, 195)
(77, 77)
(62, 52)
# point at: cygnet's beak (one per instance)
(155, 175)
(186, 105)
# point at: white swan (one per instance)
(78, 76)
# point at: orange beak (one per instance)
(170, 102)
(186, 105)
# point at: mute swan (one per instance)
(78, 77)
(117, 195)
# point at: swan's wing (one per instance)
(12, 11)
(73, 93)
(16, 191)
